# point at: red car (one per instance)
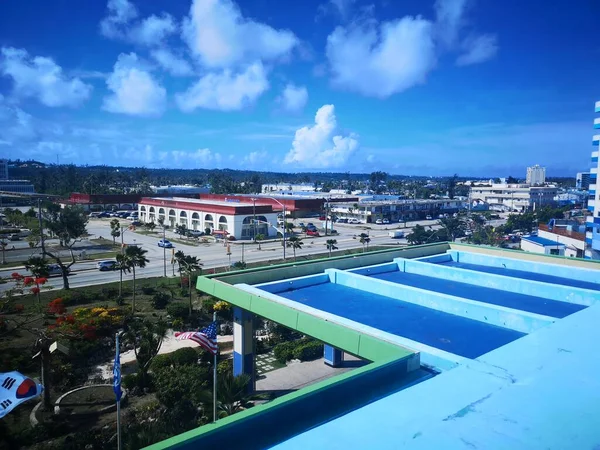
(322, 218)
(312, 233)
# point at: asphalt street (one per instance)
(213, 254)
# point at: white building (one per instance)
(514, 197)
(237, 219)
(3, 169)
(537, 244)
(536, 175)
(287, 187)
(592, 234)
(180, 189)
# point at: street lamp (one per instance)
(284, 224)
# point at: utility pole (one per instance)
(254, 219)
(164, 252)
(41, 223)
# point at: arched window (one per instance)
(172, 217)
(208, 222)
(223, 223)
(195, 221)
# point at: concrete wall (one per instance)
(521, 321)
(517, 285)
(529, 246)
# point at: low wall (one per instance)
(524, 322)
(266, 425)
(577, 296)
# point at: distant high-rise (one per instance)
(582, 180)
(592, 225)
(536, 175)
(3, 169)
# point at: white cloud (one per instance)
(41, 78)
(320, 146)
(381, 60)
(478, 49)
(256, 158)
(202, 156)
(293, 98)
(225, 91)
(172, 63)
(153, 30)
(339, 7)
(220, 37)
(449, 20)
(135, 91)
(120, 12)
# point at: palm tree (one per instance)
(232, 395)
(115, 230)
(330, 243)
(135, 257)
(364, 239)
(123, 266)
(295, 243)
(258, 238)
(179, 255)
(190, 265)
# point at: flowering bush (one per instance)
(57, 306)
(221, 306)
(88, 323)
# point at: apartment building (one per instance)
(514, 197)
(592, 235)
(536, 175)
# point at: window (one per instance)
(554, 251)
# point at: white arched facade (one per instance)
(201, 217)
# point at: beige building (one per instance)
(514, 197)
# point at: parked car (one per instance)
(379, 222)
(301, 225)
(14, 237)
(109, 264)
(55, 270)
(165, 243)
(194, 233)
(386, 221)
(311, 228)
(314, 233)
(136, 223)
(353, 220)
(322, 218)
(103, 214)
(428, 218)
(94, 215)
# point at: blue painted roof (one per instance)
(542, 241)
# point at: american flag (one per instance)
(206, 338)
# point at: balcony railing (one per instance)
(563, 232)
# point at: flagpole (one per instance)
(215, 377)
(118, 398)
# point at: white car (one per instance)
(109, 264)
(55, 270)
(379, 222)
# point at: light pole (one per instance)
(164, 251)
(284, 224)
(254, 219)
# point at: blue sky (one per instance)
(422, 87)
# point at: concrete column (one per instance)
(333, 356)
(243, 344)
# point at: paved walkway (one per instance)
(297, 375)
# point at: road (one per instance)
(212, 255)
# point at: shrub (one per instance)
(178, 310)
(177, 324)
(184, 356)
(160, 362)
(225, 367)
(175, 385)
(160, 300)
(130, 381)
(110, 293)
(283, 352)
(308, 351)
(147, 290)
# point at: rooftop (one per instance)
(471, 347)
(542, 241)
(232, 203)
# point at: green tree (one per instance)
(150, 226)
(295, 243)
(524, 222)
(146, 338)
(486, 235)
(453, 226)
(39, 269)
(115, 230)
(259, 238)
(189, 265)
(122, 266)
(418, 236)
(181, 229)
(232, 395)
(135, 257)
(331, 245)
(69, 225)
(364, 240)
(452, 186)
